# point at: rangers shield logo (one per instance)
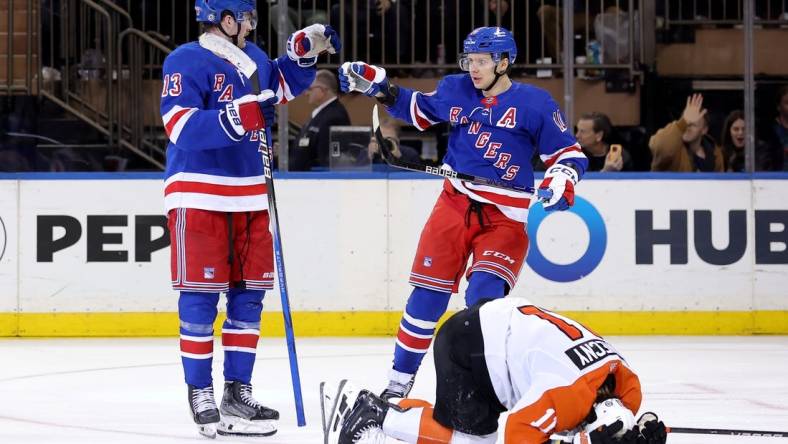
(208, 272)
(427, 261)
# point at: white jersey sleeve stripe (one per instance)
(179, 124)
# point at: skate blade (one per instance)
(342, 404)
(324, 399)
(328, 405)
(235, 426)
(207, 430)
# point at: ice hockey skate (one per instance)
(399, 386)
(204, 410)
(335, 404)
(242, 415)
(355, 416)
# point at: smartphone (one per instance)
(615, 152)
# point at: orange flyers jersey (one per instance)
(546, 369)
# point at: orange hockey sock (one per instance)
(415, 425)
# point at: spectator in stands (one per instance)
(684, 145)
(390, 129)
(593, 134)
(311, 147)
(775, 134)
(732, 139)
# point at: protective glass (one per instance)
(251, 17)
(466, 63)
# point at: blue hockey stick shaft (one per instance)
(268, 154)
(249, 68)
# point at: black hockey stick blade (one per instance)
(729, 432)
(385, 152)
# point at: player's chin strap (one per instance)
(498, 75)
(234, 38)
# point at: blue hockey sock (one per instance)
(417, 328)
(482, 285)
(240, 333)
(197, 312)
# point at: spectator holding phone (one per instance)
(593, 134)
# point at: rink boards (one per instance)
(87, 254)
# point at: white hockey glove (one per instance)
(366, 79)
(305, 45)
(613, 424)
(248, 113)
(560, 180)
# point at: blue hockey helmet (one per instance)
(210, 11)
(494, 40)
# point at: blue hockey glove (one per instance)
(305, 45)
(560, 180)
(360, 77)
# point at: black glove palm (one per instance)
(605, 435)
(651, 430)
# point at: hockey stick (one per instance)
(557, 439)
(385, 152)
(729, 432)
(249, 68)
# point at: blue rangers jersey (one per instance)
(206, 167)
(494, 137)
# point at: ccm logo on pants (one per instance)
(498, 255)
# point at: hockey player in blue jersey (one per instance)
(215, 196)
(496, 127)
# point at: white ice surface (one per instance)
(132, 391)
